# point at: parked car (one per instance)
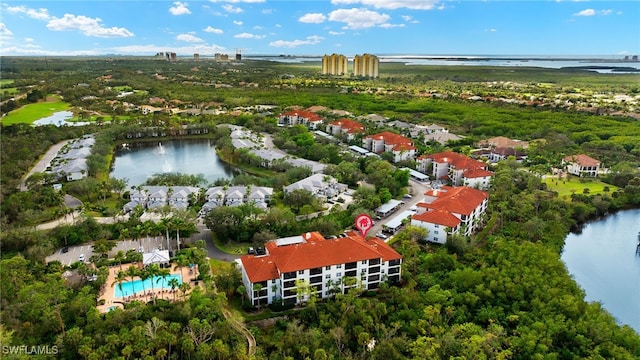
(381, 236)
(251, 251)
(407, 196)
(81, 258)
(64, 250)
(260, 251)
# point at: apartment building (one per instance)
(456, 168)
(323, 266)
(300, 117)
(366, 65)
(401, 147)
(348, 128)
(334, 64)
(450, 210)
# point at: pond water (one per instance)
(602, 259)
(139, 161)
(58, 118)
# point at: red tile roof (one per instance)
(476, 173)
(438, 216)
(391, 138)
(403, 147)
(456, 160)
(303, 114)
(582, 160)
(348, 126)
(460, 200)
(315, 251)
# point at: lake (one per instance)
(139, 161)
(603, 261)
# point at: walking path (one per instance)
(251, 340)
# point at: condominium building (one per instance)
(450, 210)
(294, 268)
(366, 65)
(401, 147)
(457, 168)
(334, 64)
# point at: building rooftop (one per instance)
(311, 250)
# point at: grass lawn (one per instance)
(218, 266)
(32, 112)
(566, 188)
(5, 82)
(231, 247)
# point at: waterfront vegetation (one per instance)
(502, 293)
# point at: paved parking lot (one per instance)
(68, 258)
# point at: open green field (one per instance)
(5, 82)
(575, 185)
(32, 112)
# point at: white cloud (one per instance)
(232, 9)
(585, 12)
(315, 18)
(409, 19)
(491, 30)
(237, 1)
(29, 40)
(237, 22)
(189, 38)
(392, 4)
(389, 26)
(88, 26)
(180, 8)
(5, 33)
(31, 50)
(38, 14)
(336, 32)
(249, 36)
(592, 12)
(310, 40)
(358, 18)
(213, 30)
(152, 49)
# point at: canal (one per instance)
(602, 259)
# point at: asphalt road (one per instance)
(417, 191)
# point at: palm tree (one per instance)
(162, 274)
(174, 283)
(132, 272)
(184, 287)
(121, 276)
(149, 273)
(119, 257)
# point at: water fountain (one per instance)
(161, 150)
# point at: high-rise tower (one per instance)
(335, 64)
(366, 65)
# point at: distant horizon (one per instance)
(312, 28)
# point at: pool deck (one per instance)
(107, 294)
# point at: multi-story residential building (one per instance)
(450, 210)
(401, 147)
(347, 128)
(236, 195)
(293, 268)
(321, 186)
(366, 65)
(581, 165)
(300, 117)
(155, 197)
(334, 64)
(456, 168)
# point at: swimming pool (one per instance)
(131, 287)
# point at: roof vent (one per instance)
(307, 236)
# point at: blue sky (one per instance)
(425, 27)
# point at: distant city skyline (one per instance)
(314, 28)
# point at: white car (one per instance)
(81, 258)
(381, 236)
